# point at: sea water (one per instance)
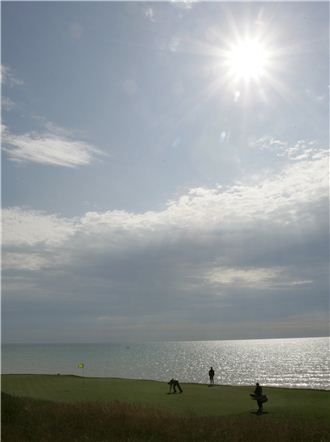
(299, 363)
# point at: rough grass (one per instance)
(25, 420)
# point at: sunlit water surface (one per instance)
(300, 363)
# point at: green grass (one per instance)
(196, 399)
(50, 408)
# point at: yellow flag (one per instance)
(81, 365)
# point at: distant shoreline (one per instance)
(160, 341)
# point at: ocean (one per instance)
(298, 363)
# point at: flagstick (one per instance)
(81, 365)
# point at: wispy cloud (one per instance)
(8, 76)
(8, 104)
(184, 5)
(48, 148)
(297, 151)
(268, 142)
(149, 13)
(174, 44)
(254, 277)
(315, 97)
(23, 261)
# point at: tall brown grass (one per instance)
(37, 421)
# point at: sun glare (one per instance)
(247, 60)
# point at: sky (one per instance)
(164, 171)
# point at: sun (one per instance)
(247, 60)
(247, 64)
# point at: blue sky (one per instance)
(155, 184)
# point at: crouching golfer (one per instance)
(173, 384)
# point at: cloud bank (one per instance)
(215, 261)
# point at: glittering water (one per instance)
(300, 363)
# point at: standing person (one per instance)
(211, 375)
(258, 397)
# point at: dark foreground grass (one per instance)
(30, 420)
(50, 408)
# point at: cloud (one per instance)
(23, 261)
(278, 199)
(268, 143)
(255, 277)
(149, 13)
(295, 198)
(23, 227)
(8, 77)
(183, 5)
(300, 150)
(8, 104)
(174, 44)
(211, 257)
(48, 148)
(315, 97)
